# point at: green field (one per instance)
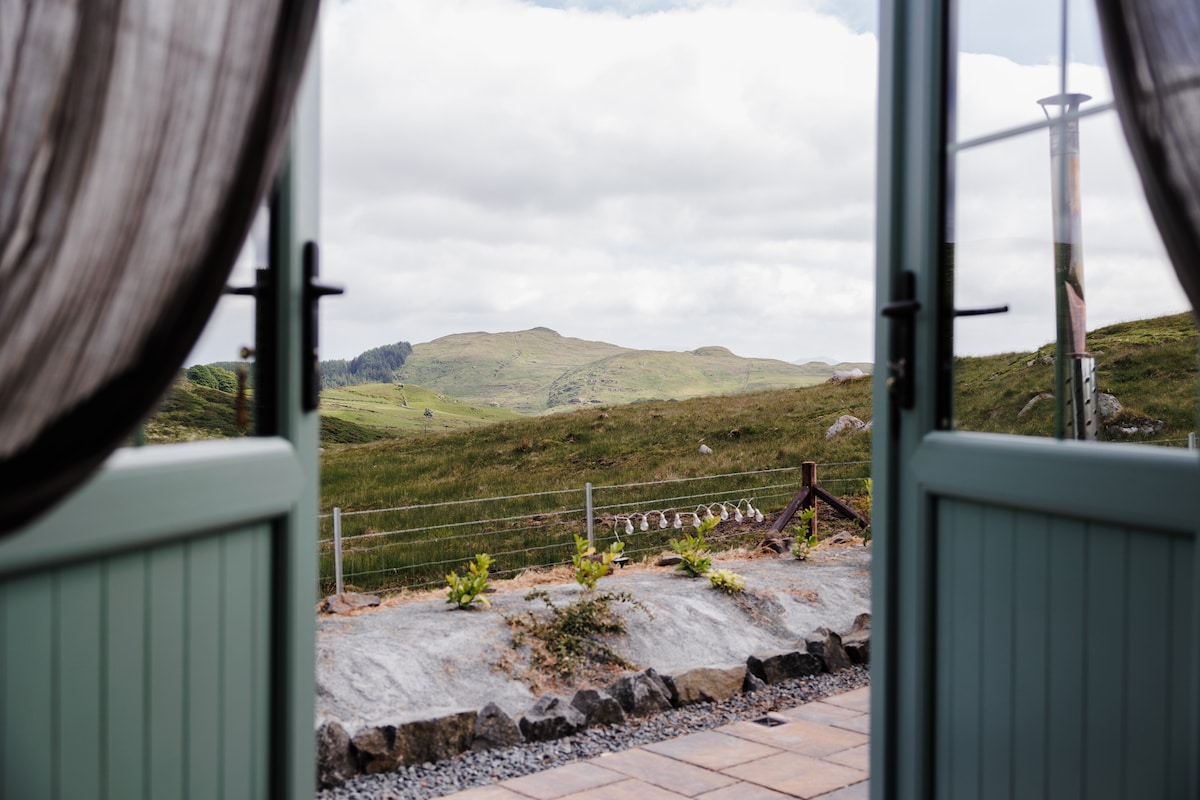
(400, 409)
(1149, 365)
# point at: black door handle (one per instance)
(979, 312)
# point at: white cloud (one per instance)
(672, 174)
(496, 165)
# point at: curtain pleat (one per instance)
(137, 140)
(1153, 52)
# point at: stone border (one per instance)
(385, 748)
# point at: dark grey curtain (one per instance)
(137, 140)
(1153, 51)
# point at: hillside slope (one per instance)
(539, 370)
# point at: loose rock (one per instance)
(494, 729)
(641, 693)
(336, 758)
(783, 666)
(709, 684)
(347, 601)
(551, 717)
(827, 645)
(598, 708)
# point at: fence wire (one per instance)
(414, 546)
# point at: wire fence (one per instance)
(415, 546)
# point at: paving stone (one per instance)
(856, 699)
(798, 736)
(857, 791)
(664, 772)
(797, 775)
(856, 757)
(711, 749)
(562, 781)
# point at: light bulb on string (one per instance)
(645, 525)
(758, 516)
(678, 521)
(724, 513)
(628, 527)
(662, 520)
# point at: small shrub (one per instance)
(804, 543)
(697, 558)
(568, 640)
(727, 581)
(467, 589)
(589, 568)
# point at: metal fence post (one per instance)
(337, 547)
(587, 489)
(1192, 440)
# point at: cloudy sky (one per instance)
(671, 175)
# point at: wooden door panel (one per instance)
(140, 674)
(1065, 665)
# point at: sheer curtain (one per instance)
(1153, 51)
(137, 139)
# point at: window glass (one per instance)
(212, 396)
(1045, 215)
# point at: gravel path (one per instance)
(478, 769)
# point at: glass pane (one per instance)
(209, 399)
(1050, 220)
(1007, 251)
(1008, 57)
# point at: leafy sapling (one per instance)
(697, 559)
(468, 589)
(805, 538)
(590, 567)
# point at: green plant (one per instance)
(807, 517)
(590, 566)
(727, 581)
(467, 589)
(567, 641)
(806, 539)
(697, 558)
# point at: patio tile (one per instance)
(858, 699)
(627, 790)
(858, 791)
(799, 736)
(562, 781)
(859, 724)
(797, 775)
(665, 772)
(820, 711)
(711, 749)
(744, 791)
(487, 793)
(856, 757)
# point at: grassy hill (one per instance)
(398, 408)
(646, 450)
(539, 370)
(1148, 365)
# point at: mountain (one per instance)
(539, 370)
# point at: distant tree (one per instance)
(202, 376)
(226, 380)
(377, 365)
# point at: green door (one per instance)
(156, 629)
(1036, 599)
